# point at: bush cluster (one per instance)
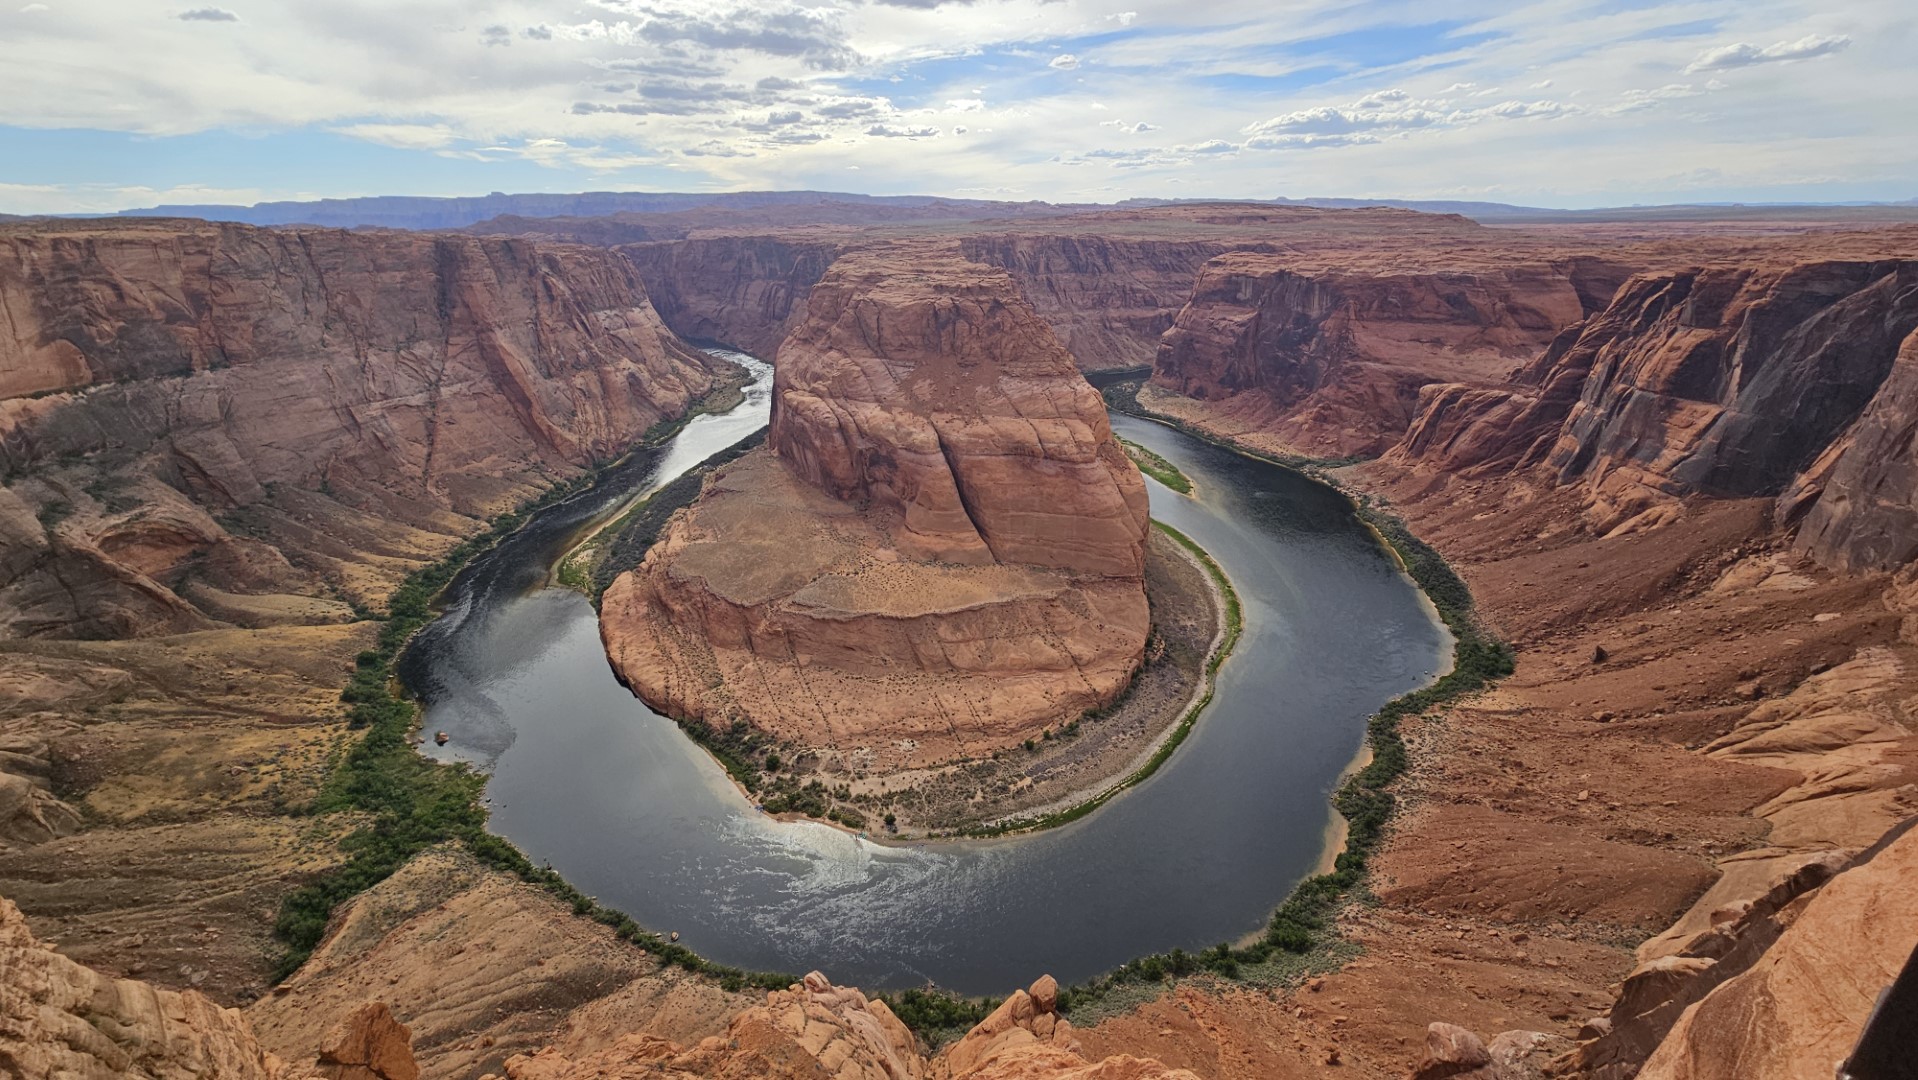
(410, 803)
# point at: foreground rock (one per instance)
(61, 1020)
(1800, 1008)
(940, 552)
(817, 1030)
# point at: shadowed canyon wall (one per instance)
(197, 417)
(1727, 382)
(1331, 360)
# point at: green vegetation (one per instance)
(936, 1016)
(1157, 467)
(1301, 933)
(407, 803)
(1234, 623)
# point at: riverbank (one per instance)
(409, 804)
(1303, 934)
(1058, 776)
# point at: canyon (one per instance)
(1672, 464)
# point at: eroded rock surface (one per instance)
(1332, 359)
(206, 424)
(939, 553)
(1801, 1007)
(814, 1030)
(61, 1020)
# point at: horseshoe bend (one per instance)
(939, 553)
(797, 634)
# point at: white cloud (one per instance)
(208, 14)
(1745, 55)
(781, 93)
(31, 9)
(402, 136)
(1064, 62)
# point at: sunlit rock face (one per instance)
(939, 552)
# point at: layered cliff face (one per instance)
(1331, 360)
(939, 553)
(1108, 298)
(1727, 382)
(744, 291)
(1859, 501)
(219, 424)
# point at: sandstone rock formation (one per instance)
(1109, 298)
(744, 291)
(369, 1045)
(1725, 381)
(817, 1030)
(1800, 1008)
(1862, 491)
(940, 551)
(205, 424)
(1331, 360)
(59, 1020)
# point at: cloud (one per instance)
(496, 35)
(812, 35)
(1746, 55)
(1381, 99)
(31, 9)
(1307, 141)
(1513, 110)
(887, 131)
(542, 32)
(966, 104)
(401, 136)
(1210, 146)
(205, 14)
(1064, 62)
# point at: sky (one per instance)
(109, 104)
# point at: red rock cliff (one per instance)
(1728, 381)
(743, 291)
(358, 398)
(1331, 359)
(939, 553)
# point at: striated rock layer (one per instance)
(206, 424)
(1332, 359)
(939, 553)
(61, 1020)
(1727, 382)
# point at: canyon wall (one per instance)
(1330, 360)
(1108, 298)
(1730, 382)
(940, 551)
(197, 417)
(742, 291)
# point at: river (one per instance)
(616, 798)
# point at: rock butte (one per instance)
(940, 551)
